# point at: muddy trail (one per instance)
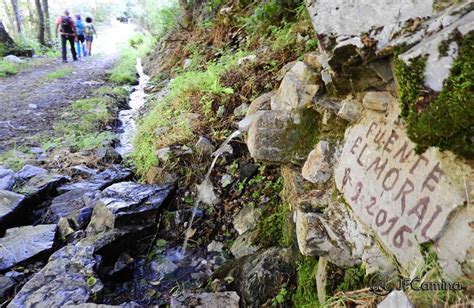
(32, 101)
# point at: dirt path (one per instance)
(31, 102)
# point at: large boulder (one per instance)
(22, 243)
(340, 238)
(128, 203)
(40, 184)
(280, 136)
(406, 199)
(259, 277)
(334, 18)
(7, 179)
(10, 204)
(66, 279)
(70, 277)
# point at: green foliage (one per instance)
(2, 50)
(125, 72)
(446, 122)
(354, 278)
(171, 111)
(15, 158)
(84, 123)
(157, 21)
(305, 295)
(271, 228)
(271, 13)
(91, 281)
(60, 73)
(7, 68)
(281, 297)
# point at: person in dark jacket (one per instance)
(68, 34)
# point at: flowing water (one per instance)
(127, 130)
(205, 190)
(128, 117)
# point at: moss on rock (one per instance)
(443, 119)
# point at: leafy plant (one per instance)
(7, 68)
(305, 295)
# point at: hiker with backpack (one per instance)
(89, 31)
(81, 39)
(68, 34)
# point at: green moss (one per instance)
(447, 122)
(306, 294)
(270, 230)
(354, 278)
(305, 134)
(7, 68)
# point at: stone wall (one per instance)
(372, 196)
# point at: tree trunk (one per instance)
(47, 20)
(39, 11)
(5, 38)
(9, 13)
(16, 11)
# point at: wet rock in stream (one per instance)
(23, 243)
(7, 179)
(75, 205)
(100, 181)
(258, 277)
(10, 203)
(128, 203)
(71, 275)
(29, 171)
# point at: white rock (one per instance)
(187, 63)
(32, 106)
(246, 219)
(340, 17)
(317, 168)
(396, 299)
(215, 246)
(378, 101)
(13, 59)
(351, 110)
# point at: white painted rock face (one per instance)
(405, 198)
(340, 17)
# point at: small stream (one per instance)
(128, 117)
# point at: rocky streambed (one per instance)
(97, 236)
